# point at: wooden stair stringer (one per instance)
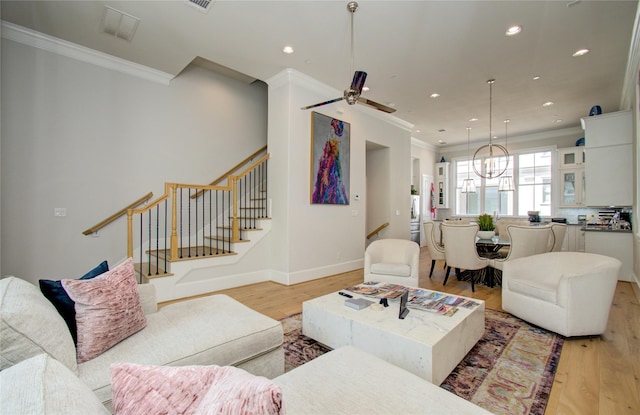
(199, 275)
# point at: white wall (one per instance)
(378, 190)
(317, 240)
(93, 140)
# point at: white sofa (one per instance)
(214, 330)
(344, 381)
(569, 293)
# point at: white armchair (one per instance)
(569, 293)
(558, 231)
(392, 260)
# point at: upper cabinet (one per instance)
(571, 157)
(608, 147)
(442, 185)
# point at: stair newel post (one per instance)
(235, 226)
(129, 233)
(174, 222)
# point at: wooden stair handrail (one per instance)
(378, 229)
(231, 170)
(121, 212)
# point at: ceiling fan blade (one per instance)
(376, 105)
(322, 103)
(358, 81)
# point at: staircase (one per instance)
(197, 224)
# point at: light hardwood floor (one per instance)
(596, 375)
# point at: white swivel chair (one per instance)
(569, 293)
(525, 241)
(558, 231)
(435, 249)
(460, 250)
(392, 260)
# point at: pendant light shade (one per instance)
(468, 185)
(506, 182)
(495, 156)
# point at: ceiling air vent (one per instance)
(202, 5)
(119, 24)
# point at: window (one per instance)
(534, 183)
(531, 174)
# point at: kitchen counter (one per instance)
(604, 229)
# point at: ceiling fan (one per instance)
(352, 94)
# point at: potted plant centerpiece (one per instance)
(487, 228)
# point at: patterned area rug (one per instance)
(509, 371)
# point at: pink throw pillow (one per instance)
(108, 309)
(138, 389)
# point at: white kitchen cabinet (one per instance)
(571, 157)
(442, 185)
(609, 176)
(614, 244)
(609, 150)
(611, 129)
(573, 239)
(572, 187)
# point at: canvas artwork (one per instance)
(330, 158)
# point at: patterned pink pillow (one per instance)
(108, 309)
(138, 389)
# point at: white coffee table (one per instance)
(424, 343)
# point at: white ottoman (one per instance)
(350, 381)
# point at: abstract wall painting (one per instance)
(330, 160)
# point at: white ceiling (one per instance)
(410, 49)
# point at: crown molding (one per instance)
(61, 47)
(535, 137)
(422, 144)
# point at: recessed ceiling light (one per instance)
(557, 121)
(536, 78)
(417, 131)
(547, 104)
(473, 119)
(365, 88)
(581, 52)
(434, 95)
(442, 142)
(288, 50)
(513, 30)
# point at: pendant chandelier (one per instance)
(506, 182)
(495, 156)
(468, 185)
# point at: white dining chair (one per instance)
(525, 241)
(558, 232)
(460, 250)
(435, 249)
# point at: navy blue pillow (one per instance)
(55, 293)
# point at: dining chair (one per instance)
(525, 241)
(558, 232)
(435, 249)
(460, 250)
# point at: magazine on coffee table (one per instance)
(419, 299)
(379, 290)
(437, 302)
